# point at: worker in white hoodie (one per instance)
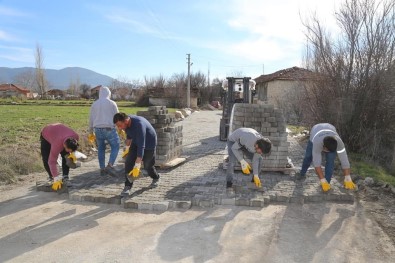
(102, 129)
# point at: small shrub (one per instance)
(7, 175)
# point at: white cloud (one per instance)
(18, 54)
(5, 11)
(4, 36)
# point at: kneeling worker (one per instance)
(250, 142)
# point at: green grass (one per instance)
(367, 169)
(21, 124)
(296, 129)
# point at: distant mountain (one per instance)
(59, 79)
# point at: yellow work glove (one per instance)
(245, 167)
(136, 170)
(325, 185)
(91, 138)
(125, 153)
(57, 183)
(121, 134)
(72, 157)
(348, 183)
(257, 181)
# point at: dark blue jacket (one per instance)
(142, 134)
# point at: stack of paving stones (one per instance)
(269, 122)
(169, 132)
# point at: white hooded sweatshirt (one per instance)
(103, 110)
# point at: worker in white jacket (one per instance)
(324, 139)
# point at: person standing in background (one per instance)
(102, 129)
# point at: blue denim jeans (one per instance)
(329, 162)
(111, 136)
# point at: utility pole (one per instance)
(189, 82)
(208, 81)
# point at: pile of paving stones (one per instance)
(169, 133)
(269, 122)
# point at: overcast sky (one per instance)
(130, 39)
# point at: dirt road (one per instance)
(39, 226)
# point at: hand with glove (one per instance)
(121, 134)
(257, 181)
(125, 152)
(72, 157)
(57, 183)
(245, 167)
(325, 185)
(348, 183)
(135, 172)
(92, 138)
(71, 161)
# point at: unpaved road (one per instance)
(47, 227)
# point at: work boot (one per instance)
(111, 171)
(126, 191)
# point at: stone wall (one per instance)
(169, 132)
(269, 122)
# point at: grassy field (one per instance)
(21, 124)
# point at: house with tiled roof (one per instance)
(272, 88)
(12, 90)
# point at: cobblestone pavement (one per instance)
(200, 181)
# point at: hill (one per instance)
(59, 79)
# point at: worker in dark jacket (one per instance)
(141, 139)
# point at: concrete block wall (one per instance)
(169, 132)
(269, 122)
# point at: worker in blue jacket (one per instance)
(141, 139)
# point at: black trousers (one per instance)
(45, 151)
(148, 161)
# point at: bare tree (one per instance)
(85, 91)
(25, 79)
(356, 91)
(40, 72)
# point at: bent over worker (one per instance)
(325, 139)
(141, 138)
(251, 143)
(58, 139)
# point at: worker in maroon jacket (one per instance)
(58, 139)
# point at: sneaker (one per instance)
(298, 176)
(65, 178)
(154, 183)
(103, 172)
(126, 191)
(229, 184)
(111, 171)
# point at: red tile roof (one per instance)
(294, 73)
(13, 87)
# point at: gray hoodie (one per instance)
(103, 110)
